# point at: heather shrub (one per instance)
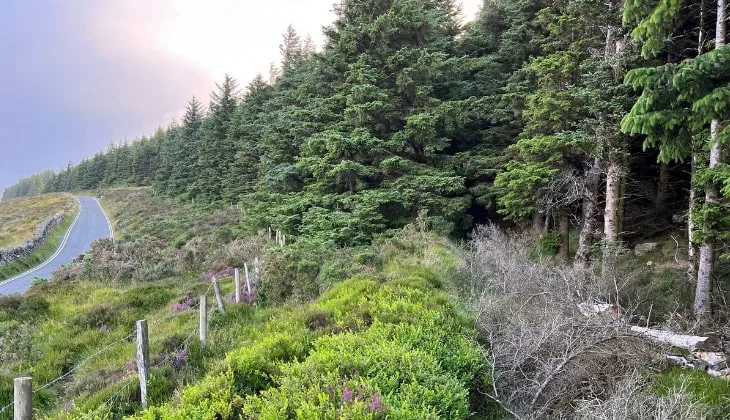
(305, 269)
(364, 349)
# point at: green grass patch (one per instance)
(42, 253)
(709, 391)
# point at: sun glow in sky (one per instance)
(80, 74)
(242, 37)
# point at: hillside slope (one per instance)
(387, 341)
(20, 217)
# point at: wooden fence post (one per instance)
(143, 360)
(218, 296)
(248, 281)
(203, 320)
(237, 281)
(23, 398)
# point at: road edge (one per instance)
(55, 254)
(106, 216)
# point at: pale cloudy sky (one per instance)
(76, 75)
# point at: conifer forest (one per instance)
(546, 156)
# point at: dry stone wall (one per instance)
(24, 250)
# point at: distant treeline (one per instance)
(30, 186)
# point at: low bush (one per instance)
(364, 349)
(305, 269)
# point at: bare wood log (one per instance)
(686, 363)
(23, 399)
(689, 342)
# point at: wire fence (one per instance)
(107, 403)
(5, 408)
(128, 383)
(80, 364)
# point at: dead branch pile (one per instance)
(549, 358)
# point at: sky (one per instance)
(77, 75)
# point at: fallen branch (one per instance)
(688, 342)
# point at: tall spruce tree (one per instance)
(215, 150)
(683, 101)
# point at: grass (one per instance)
(42, 253)
(392, 321)
(19, 218)
(702, 388)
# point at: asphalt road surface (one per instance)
(90, 225)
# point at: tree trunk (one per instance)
(662, 189)
(564, 226)
(613, 198)
(590, 213)
(692, 249)
(622, 193)
(537, 222)
(702, 304)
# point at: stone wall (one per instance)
(8, 255)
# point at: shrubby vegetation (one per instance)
(411, 326)
(386, 342)
(556, 359)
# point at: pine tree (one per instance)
(684, 100)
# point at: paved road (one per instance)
(91, 224)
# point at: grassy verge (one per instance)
(42, 253)
(19, 218)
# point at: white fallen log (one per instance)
(712, 358)
(688, 342)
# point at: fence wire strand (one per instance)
(116, 394)
(183, 345)
(78, 366)
(177, 314)
(2, 410)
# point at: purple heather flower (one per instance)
(180, 359)
(377, 404)
(182, 306)
(347, 395)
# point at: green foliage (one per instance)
(363, 349)
(28, 187)
(704, 389)
(547, 246)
